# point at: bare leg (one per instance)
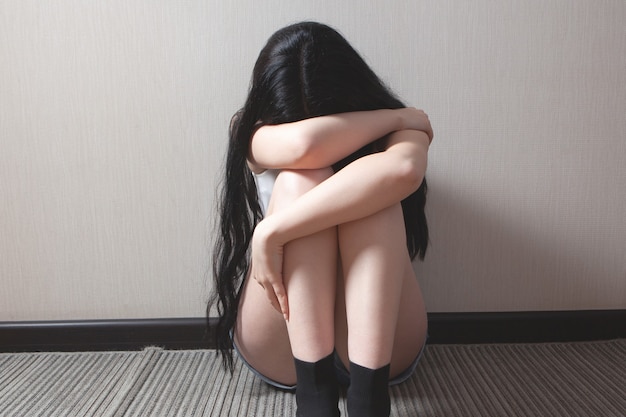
(383, 310)
(309, 270)
(375, 264)
(261, 334)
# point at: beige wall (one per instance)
(113, 119)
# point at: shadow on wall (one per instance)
(493, 256)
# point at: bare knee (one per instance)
(385, 227)
(292, 183)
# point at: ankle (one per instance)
(317, 390)
(368, 393)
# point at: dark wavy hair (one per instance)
(305, 70)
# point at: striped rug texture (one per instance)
(562, 379)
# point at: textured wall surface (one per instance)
(113, 119)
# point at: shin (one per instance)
(374, 260)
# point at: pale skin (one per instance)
(330, 268)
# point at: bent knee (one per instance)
(292, 183)
(384, 228)
(388, 219)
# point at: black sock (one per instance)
(317, 390)
(368, 393)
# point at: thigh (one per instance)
(384, 231)
(412, 327)
(261, 336)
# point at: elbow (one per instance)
(410, 173)
(301, 150)
(308, 154)
(409, 157)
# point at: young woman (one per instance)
(322, 211)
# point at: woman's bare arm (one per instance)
(362, 188)
(322, 141)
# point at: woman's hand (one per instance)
(414, 119)
(267, 266)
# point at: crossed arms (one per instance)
(364, 187)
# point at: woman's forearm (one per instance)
(362, 188)
(322, 141)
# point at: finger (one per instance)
(271, 296)
(281, 296)
(258, 282)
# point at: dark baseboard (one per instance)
(197, 333)
(527, 327)
(103, 335)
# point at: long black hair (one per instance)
(305, 70)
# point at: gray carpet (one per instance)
(568, 379)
